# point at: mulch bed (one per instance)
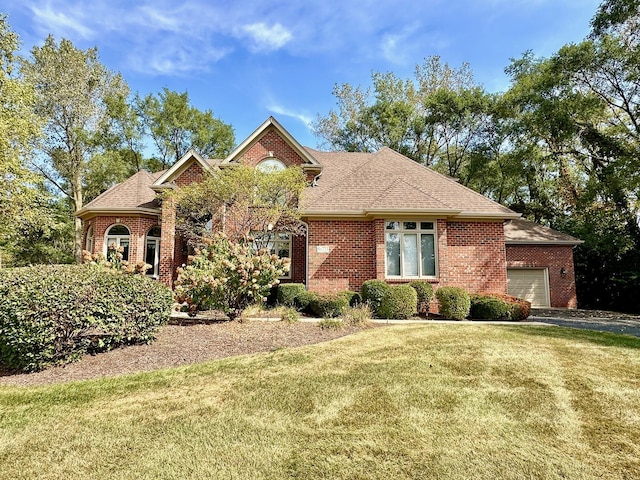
(181, 345)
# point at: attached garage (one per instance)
(540, 264)
(532, 284)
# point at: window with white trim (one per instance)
(269, 165)
(152, 251)
(410, 249)
(119, 236)
(276, 242)
(88, 244)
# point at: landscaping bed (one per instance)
(180, 345)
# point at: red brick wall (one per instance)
(271, 141)
(351, 258)
(562, 290)
(193, 173)
(138, 227)
(472, 255)
(167, 242)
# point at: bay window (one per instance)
(410, 249)
(276, 242)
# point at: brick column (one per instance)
(167, 242)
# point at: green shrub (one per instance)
(290, 315)
(303, 301)
(487, 307)
(287, 293)
(519, 309)
(425, 295)
(358, 316)
(399, 302)
(372, 293)
(329, 306)
(353, 298)
(331, 324)
(454, 302)
(54, 314)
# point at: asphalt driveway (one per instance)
(598, 320)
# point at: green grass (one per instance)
(414, 402)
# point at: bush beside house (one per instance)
(54, 314)
(454, 302)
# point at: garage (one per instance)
(532, 284)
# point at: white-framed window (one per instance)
(88, 243)
(120, 236)
(277, 242)
(152, 251)
(410, 249)
(270, 165)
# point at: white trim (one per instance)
(262, 129)
(418, 232)
(85, 212)
(534, 242)
(180, 166)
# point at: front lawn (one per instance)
(427, 401)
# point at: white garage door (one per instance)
(530, 284)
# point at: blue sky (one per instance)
(246, 60)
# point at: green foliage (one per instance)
(353, 298)
(54, 314)
(176, 126)
(228, 276)
(73, 93)
(454, 302)
(287, 293)
(243, 202)
(290, 315)
(398, 302)
(424, 291)
(486, 307)
(331, 324)
(329, 305)
(372, 293)
(358, 316)
(303, 301)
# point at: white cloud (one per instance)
(61, 23)
(280, 110)
(264, 38)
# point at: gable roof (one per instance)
(164, 181)
(268, 124)
(387, 182)
(134, 194)
(520, 231)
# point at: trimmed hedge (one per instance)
(487, 307)
(519, 309)
(328, 306)
(372, 293)
(425, 295)
(454, 302)
(287, 293)
(54, 314)
(354, 298)
(398, 302)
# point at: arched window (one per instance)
(88, 243)
(270, 165)
(119, 236)
(152, 251)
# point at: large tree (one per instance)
(19, 126)
(176, 126)
(74, 92)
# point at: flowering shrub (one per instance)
(228, 276)
(114, 261)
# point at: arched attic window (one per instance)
(270, 165)
(119, 236)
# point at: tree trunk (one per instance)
(77, 226)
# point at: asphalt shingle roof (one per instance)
(520, 230)
(135, 192)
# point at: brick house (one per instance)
(367, 215)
